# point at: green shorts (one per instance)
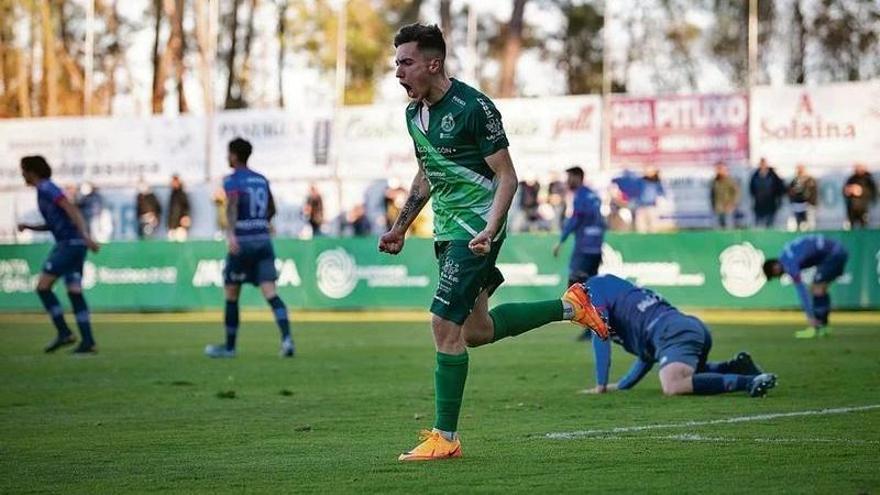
(463, 275)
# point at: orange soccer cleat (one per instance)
(433, 447)
(585, 314)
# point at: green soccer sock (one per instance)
(449, 378)
(515, 318)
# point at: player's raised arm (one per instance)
(78, 221)
(392, 241)
(505, 176)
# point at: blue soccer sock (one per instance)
(280, 312)
(720, 366)
(230, 317)
(822, 308)
(83, 319)
(718, 383)
(56, 312)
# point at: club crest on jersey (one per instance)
(448, 123)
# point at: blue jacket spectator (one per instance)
(767, 191)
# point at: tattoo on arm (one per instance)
(418, 197)
(414, 204)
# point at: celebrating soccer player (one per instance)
(464, 166)
(829, 257)
(653, 330)
(251, 257)
(72, 242)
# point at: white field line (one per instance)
(688, 424)
(692, 437)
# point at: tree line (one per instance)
(213, 56)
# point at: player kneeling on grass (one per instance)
(66, 260)
(653, 330)
(829, 257)
(251, 257)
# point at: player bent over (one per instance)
(251, 257)
(72, 241)
(465, 167)
(653, 330)
(829, 257)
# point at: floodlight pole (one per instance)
(213, 23)
(751, 77)
(89, 64)
(753, 44)
(341, 32)
(605, 158)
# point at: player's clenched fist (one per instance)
(481, 244)
(391, 242)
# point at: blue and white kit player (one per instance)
(588, 226)
(251, 257)
(653, 330)
(829, 257)
(72, 241)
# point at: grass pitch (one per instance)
(150, 413)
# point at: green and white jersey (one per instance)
(452, 138)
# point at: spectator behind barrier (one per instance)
(803, 194)
(724, 196)
(767, 190)
(650, 193)
(148, 210)
(179, 220)
(859, 194)
(314, 209)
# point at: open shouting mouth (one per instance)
(408, 88)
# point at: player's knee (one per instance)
(675, 380)
(446, 333)
(232, 293)
(670, 389)
(268, 290)
(73, 290)
(475, 340)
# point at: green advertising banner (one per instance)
(691, 269)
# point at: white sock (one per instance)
(448, 435)
(567, 310)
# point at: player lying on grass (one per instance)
(653, 330)
(72, 242)
(251, 257)
(829, 257)
(465, 168)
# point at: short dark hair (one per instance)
(427, 38)
(770, 268)
(241, 148)
(575, 171)
(36, 165)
